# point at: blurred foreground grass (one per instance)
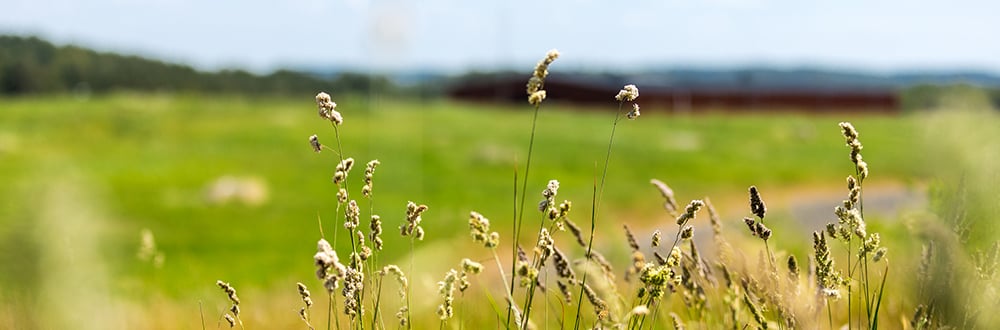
(82, 178)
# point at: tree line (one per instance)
(29, 65)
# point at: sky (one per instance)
(452, 35)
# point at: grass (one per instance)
(145, 160)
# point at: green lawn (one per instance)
(113, 165)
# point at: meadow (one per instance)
(231, 190)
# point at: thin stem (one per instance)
(850, 276)
(340, 154)
(579, 301)
(598, 194)
(377, 302)
(202, 312)
(520, 209)
(503, 276)
(770, 258)
(829, 313)
(409, 322)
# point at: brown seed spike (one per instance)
(756, 204)
(631, 238)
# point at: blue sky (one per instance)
(454, 35)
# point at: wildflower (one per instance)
(656, 238)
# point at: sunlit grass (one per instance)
(146, 161)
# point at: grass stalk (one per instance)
(519, 216)
(598, 194)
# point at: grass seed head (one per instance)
(751, 224)
(793, 266)
(687, 232)
(762, 231)
(342, 195)
(369, 175)
(670, 204)
(328, 109)
(352, 216)
(314, 142)
(632, 115)
(879, 254)
(413, 219)
(632, 243)
(304, 292)
(376, 231)
(230, 291)
(447, 290)
(689, 212)
(756, 203)
(537, 80)
(341, 171)
(628, 93)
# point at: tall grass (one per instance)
(679, 285)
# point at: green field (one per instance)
(82, 177)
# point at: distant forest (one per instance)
(30, 65)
